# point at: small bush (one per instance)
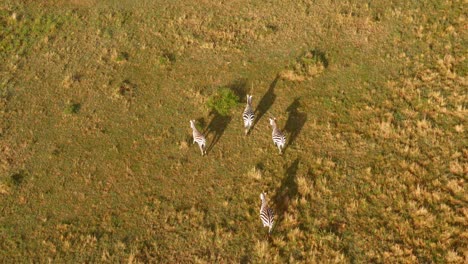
(72, 108)
(167, 58)
(223, 101)
(18, 178)
(122, 57)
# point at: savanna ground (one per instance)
(97, 162)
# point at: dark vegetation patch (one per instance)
(223, 101)
(72, 108)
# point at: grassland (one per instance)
(97, 163)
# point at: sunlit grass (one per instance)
(97, 162)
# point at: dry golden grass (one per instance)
(255, 174)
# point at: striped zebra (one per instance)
(279, 139)
(266, 213)
(248, 115)
(198, 137)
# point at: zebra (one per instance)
(198, 137)
(266, 213)
(279, 139)
(248, 115)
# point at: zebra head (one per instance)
(273, 121)
(249, 99)
(192, 124)
(262, 196)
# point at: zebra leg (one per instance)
(201, 149)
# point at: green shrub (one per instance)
(17, 179)
(72, 108)
(122, 56)
(223, 101)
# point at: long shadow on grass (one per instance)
(287, 190)
(216, 127)
(295, 122)
(239, 87)
(267, 101)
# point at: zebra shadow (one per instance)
(267, 101)
(239, 88)
(295, 122)
(287, 191)
(217, 126)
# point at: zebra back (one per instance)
(248, 114)
(266, 213)
(277, 134)
(197, 136)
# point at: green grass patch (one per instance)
(20, 31)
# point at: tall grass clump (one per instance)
(311, 63)
(308, 65)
